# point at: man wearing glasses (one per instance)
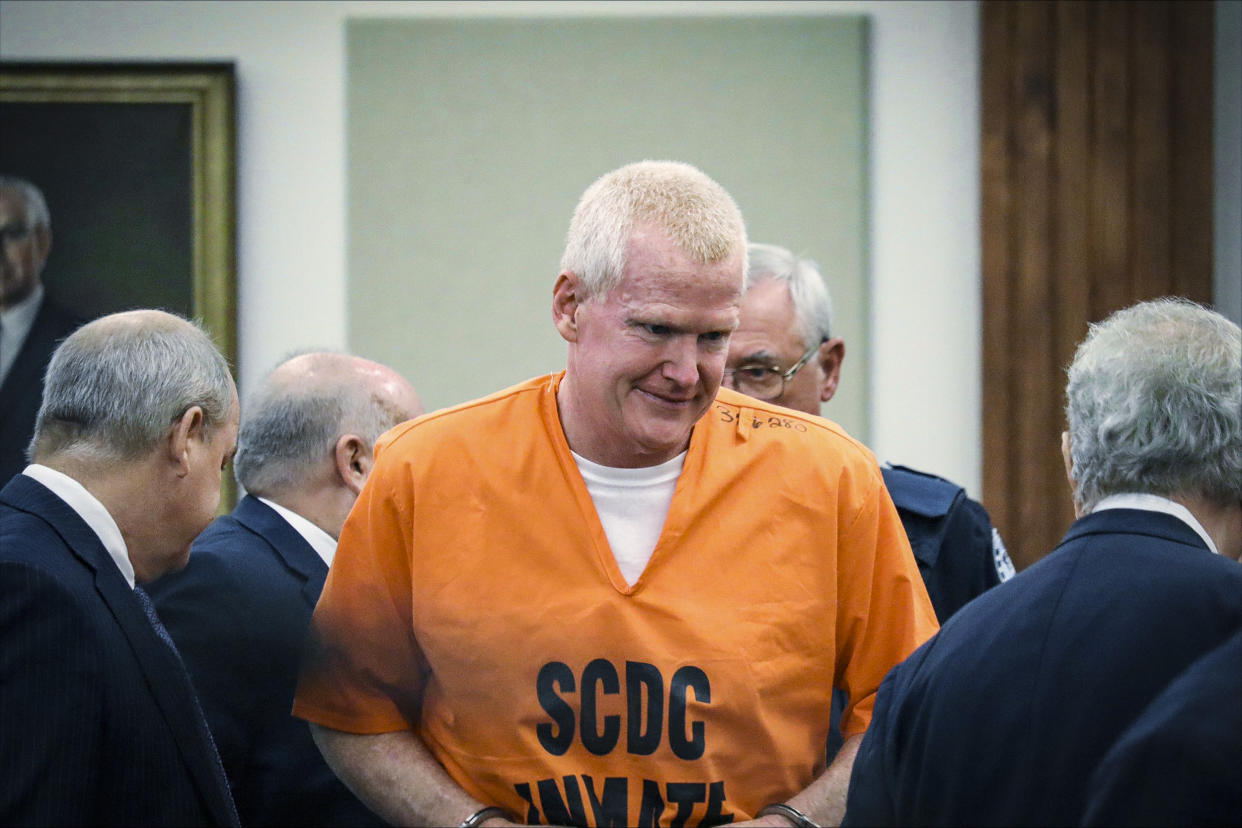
(30, 324)
(786, 320)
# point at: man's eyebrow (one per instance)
(639, 321)
(762, 355)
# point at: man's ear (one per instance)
(353, 461)
(566, 299)
(1068, 457)
(831, 355)
(188, 427)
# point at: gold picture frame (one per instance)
(138, 164)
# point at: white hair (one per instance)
(1155, 404)
(812, 303)
(117, 384)
(291, 425)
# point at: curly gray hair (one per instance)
(1155, 405)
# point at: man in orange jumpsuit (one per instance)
(618, 594)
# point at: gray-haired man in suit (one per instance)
(1002, 717)
(101, 725)
(240, 610)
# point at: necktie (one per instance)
(148, 606)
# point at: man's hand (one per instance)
(397, 777)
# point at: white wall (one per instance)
(291, 234)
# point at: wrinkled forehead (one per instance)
(768, 308)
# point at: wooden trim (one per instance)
(1096, 193)
(996, 23)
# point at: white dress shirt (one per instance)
(15, 325)
(1156, 503)
(320, 541)
(90, 510)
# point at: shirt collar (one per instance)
(15, 325)
(91, 511)
(1156, 503)
(320, 541)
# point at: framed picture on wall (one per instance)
(137, 162)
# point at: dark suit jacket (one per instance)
(1180, 763)
(1001, 717)
(239, 612)
(22, 391)
(99, 725)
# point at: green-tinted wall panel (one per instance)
(470, 140)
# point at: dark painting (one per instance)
(117, 179)
(137, 162)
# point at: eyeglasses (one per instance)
(14, 233)
(763, 381)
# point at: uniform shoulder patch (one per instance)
(1000, 557)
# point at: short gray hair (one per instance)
(699, 216)
(812, 303)
(1155, 405)
(117, 384)
(290, 427)
(37, 214)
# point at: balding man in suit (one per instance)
(240, 610)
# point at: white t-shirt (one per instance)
(632, 504)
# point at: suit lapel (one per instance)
(166, 676)
(170, 685)
(287, 543)
(26, 374)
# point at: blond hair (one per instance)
(698, 215)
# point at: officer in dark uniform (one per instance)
(783, 351)
(959, 552)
